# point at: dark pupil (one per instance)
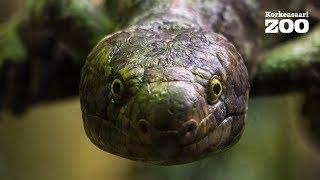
(216, 89)
(116, 88)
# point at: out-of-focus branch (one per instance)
(41, 54)
(77, 22)
(122, 11)
(11, 45)
(291, 67)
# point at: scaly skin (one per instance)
(57, 34)
(165, 115)
(241, 22)
(166, 58)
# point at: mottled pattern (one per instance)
(166, 67)
(167, 57)
(242, 22)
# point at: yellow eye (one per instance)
(215, 89)
(117, 88)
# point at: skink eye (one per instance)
(215, 89)
(117, 88)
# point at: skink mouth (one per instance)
(190, 132)
(208, 137)
(169, 149)
(208, 125)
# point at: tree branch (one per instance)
(78, 23)
(291, 67)
(41, 55)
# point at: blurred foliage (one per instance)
(10, 43)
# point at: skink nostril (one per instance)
(190, 126)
